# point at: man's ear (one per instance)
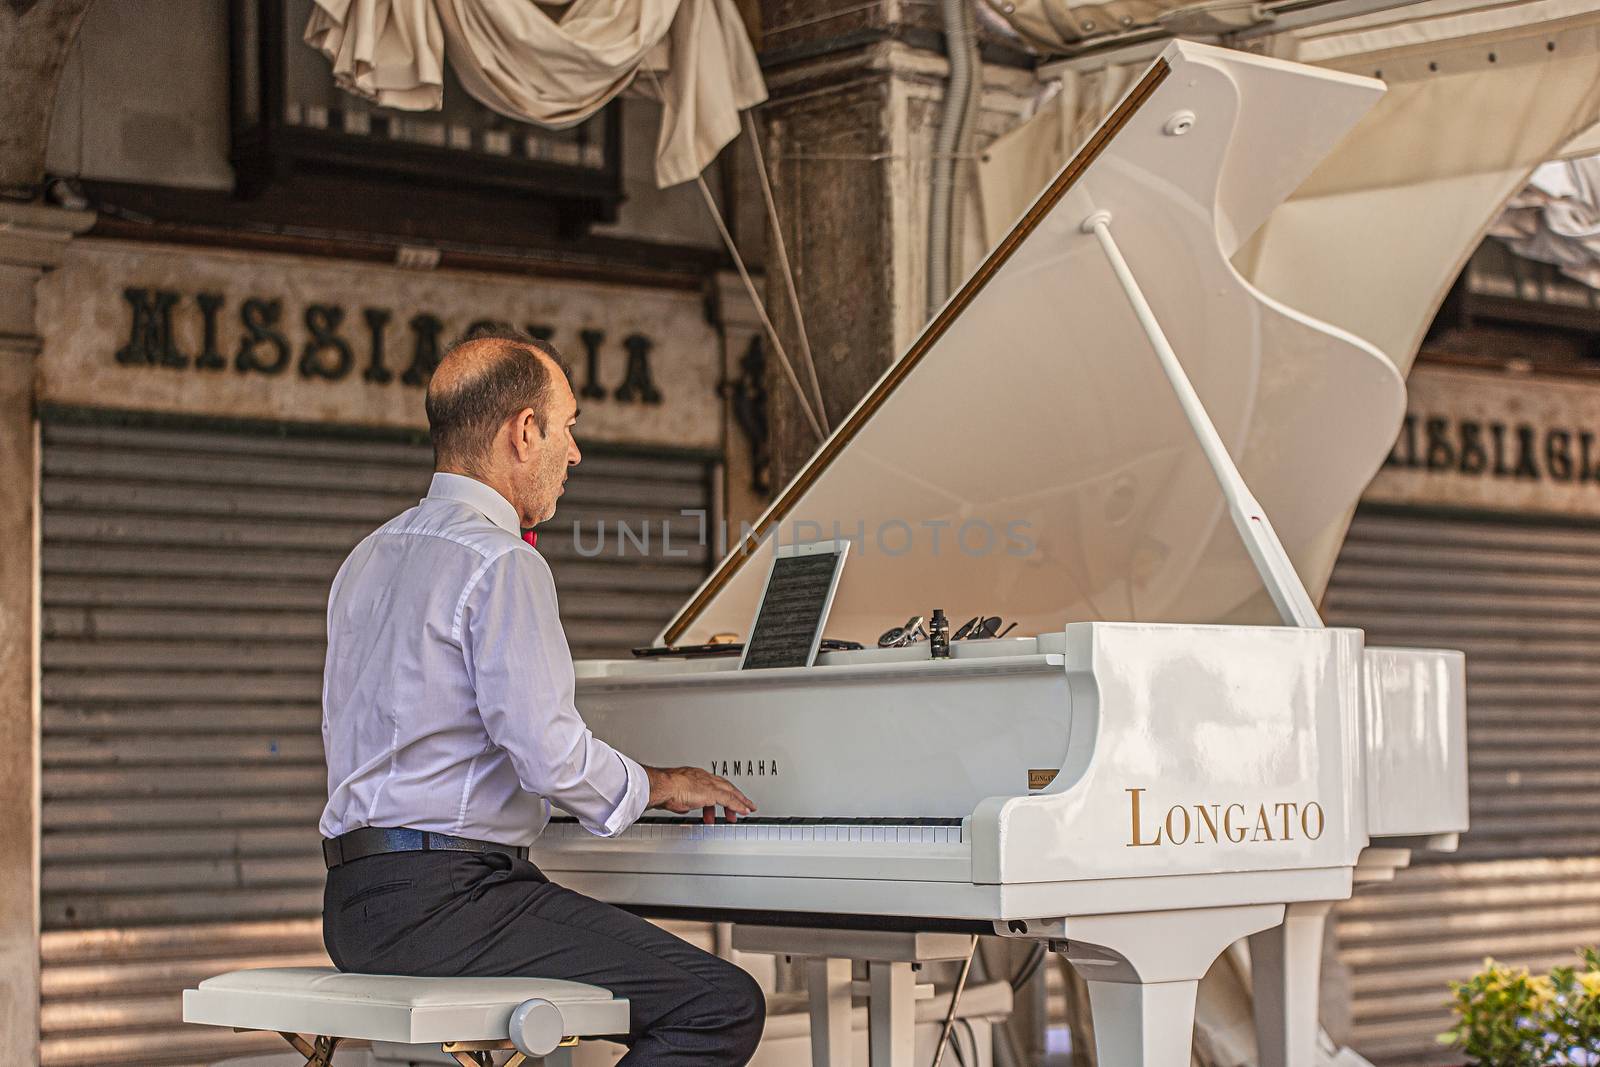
(525, 435)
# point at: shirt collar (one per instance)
(475, 494)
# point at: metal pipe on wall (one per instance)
(958, 99)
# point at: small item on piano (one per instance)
(899, 636)
(715, 648)
(839, 644)
(981, 627)
(939, 635)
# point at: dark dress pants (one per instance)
(454, 914)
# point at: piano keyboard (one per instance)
(796, 830)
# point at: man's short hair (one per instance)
(463, 419)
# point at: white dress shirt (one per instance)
(447, 697)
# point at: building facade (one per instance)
(214, 350)
(218, 330)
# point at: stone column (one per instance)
(856, 97)
(35, 37)
(32, 240)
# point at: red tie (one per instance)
(531, 537)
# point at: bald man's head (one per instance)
(483, 380)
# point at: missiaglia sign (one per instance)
(1495, 442)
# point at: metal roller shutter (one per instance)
(185, 570)
(1522, 599)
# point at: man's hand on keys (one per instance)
(683, 789)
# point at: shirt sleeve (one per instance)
(521, 669)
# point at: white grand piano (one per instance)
(1176, 753)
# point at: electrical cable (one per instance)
(755, 297)
(783, 261)
(1029, 968)
(955, 999)
(972, 1039)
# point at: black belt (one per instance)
(377, 840)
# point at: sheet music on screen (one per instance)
(788, 626)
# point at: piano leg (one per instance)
(891, 1013)
(1155, 1022)
(1143, 969)
(892, 957)
(828, 985)
(1285, 973)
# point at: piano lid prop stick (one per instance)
(1283, 583)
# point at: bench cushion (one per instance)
(373, 1007)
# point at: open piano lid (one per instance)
(1026, 456)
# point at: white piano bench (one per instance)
(316, 1008)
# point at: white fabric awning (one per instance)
(514, 58)
(1479, 95)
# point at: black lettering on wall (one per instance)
(1527, 461)
(1473, 458)
(313, 340)
(323, 321)
(1558, 455)
(1404, 452)
(425, 331)
(591, 387)
(260, 319)
(1497, 431)
(637, 383)
(1441, 456)
(150, 336)
(210, 357)
(377, 321)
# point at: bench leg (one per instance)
(483, 1056)
(318, 1051)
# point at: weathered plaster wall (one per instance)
(144, 96)
(31, 243)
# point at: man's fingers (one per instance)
(736, 801)
(732, 797)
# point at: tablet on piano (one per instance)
(794, 605)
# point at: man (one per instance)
(449, 726)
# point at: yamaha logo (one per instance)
(744, 768)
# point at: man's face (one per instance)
(542, 479)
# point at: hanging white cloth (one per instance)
(518, 60)
(1556, 219)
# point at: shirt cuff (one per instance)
(633, 802)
